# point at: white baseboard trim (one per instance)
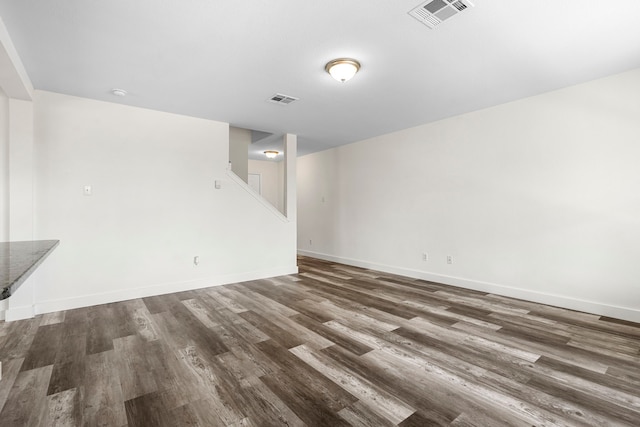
(624, 313)
(160, 289)
(19, 313)
(4, 305)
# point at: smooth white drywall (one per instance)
(290, 176)
(4, 167)
(271, 180)
(14, 80)
(153, 206)
(282, 194)
(17, 206)
(537, 199)
(239, 141)
(21, 170)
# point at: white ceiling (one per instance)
(222, 60)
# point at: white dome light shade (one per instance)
(271, 154)
(342, 69)
(119, 92)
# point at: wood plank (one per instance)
(101, 330)
(63, 409)
(216, 386)
(275, 332)
(18, 338)
(375, 398)
(52, 318)
(361, 415)
(133, 367)
(27, 401)
(44, 348)
(147, 410)
(103, 403)
(192, 328)
(313, 397)
(332, 335)
(10, 371)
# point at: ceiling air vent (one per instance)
(433, 12)
(281, 99)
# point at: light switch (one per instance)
(87, 190)
(218, 184)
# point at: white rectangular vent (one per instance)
(281, 99)
(433, 12)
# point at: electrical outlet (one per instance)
(196, 260)
(449, 259)
(425, 256)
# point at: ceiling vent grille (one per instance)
(281, 99)
(434, 12)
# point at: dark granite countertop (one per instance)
(18, 260)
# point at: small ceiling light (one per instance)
(271, 154)
(342, 69)
(118, 92)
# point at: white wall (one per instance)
(21, 170)
(239, 141)
(282, 192)
(272, 180)
(537, 199)
(4, 167)
(17, 218)
(153, 207)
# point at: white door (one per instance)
(255, 182)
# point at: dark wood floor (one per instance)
(332, 346)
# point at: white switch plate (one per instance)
(87, 190)
(218, 184)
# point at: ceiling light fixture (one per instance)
(118, 92)
(271, 154)
(342, 69)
